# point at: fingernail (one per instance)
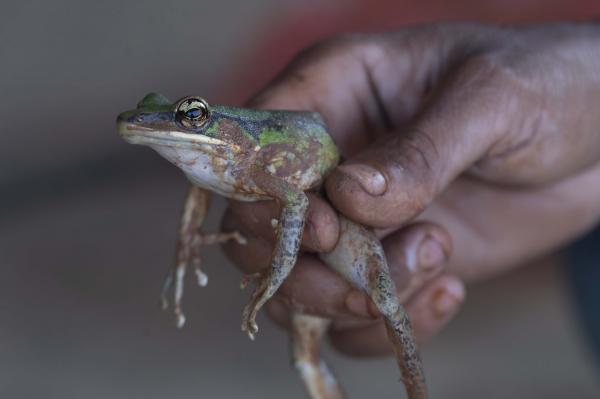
(369, 178)
(431, 253)
(448, 299)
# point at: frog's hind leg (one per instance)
(307, 334)
(359, 258)
(289, 231)
(189, 244)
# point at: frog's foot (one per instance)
(307, 334)
(264, 290)
(188, 253)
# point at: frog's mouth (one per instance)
(138, 134)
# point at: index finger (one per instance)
(342, 78)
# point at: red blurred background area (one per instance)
(301, 25)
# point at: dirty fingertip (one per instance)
(371, 180)
(322, 226)
(359, 199)
(448, 298)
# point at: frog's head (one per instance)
(206, 143)
(158, 121)
(173, 129)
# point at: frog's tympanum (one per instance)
(254, 155)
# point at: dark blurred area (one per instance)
(87, 222)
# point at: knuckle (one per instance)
(344, 44)
(418, 160)
(310, 66)
(489, 72)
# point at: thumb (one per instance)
(398, 175)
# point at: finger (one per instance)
(337, 79)
(418, 256)
(279, 312)
(434, 247)
(397, 176)
(258, 218)
(429, 311)
(495, 228)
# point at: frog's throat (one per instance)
(138, 135)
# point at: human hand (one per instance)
(492, 133)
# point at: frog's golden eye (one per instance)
(192, 112)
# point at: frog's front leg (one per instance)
(189, 243)
(288, 237)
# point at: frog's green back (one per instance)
(303, 130)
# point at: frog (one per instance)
(252, 155)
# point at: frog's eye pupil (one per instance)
(194, 113)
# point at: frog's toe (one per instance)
(201, 278)
(175, 279)
(180, 319)
(196, 261)
(249, 325)
(239, 238)
(259, 297)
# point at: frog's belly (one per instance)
(211, 173)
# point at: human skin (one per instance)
(470, 148)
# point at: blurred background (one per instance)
(87, 222)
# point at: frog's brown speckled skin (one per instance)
(254, 155)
